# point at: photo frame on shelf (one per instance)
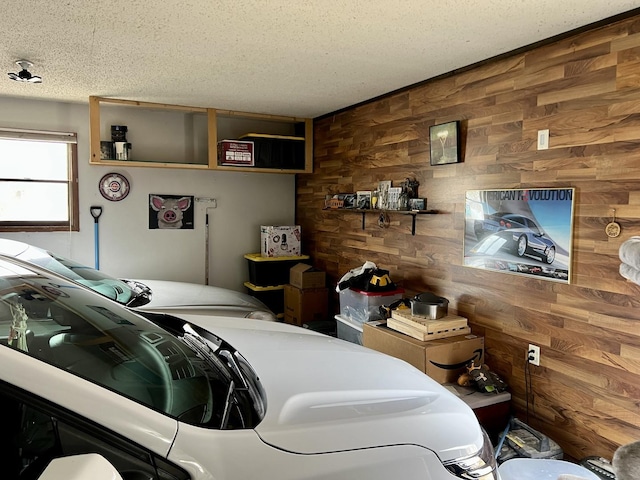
(383, 194)
(520, 231)
(394, 198)
(444, 143)
(417, 204)
(363, 201)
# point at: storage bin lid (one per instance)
(429, 298)
(256, 288)
(275, 137)
(541, 469)
(257, 257)
(397, 291)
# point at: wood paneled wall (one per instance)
(586, 90)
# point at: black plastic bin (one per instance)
(277, 151)
(271, 271)
(272, 297)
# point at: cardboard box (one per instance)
(305, 276)
(303, 306)
(442, 359)
(235, 152)
(280, 240)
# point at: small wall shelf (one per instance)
(364, 213)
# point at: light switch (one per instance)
(543, 139)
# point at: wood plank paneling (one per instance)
(586, 90)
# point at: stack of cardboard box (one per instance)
(305, 296)
(267, 278)
(443, 359)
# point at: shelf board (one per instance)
(229, 168)
(364, 212)
(133, 163)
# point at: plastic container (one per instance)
(277, 151)
(542, 469)
(361, 306)
(118, 133)
(272, 297)
(524, 441)
(348, 330)
(271, 271)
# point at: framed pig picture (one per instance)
(171, 212)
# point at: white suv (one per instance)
(206, 397)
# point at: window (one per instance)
(36, 431)
(38, 181)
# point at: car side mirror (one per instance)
(80, 467)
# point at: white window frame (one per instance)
(72, 224)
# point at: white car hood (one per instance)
(327, 395)
(167, 294)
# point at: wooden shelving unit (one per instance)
(208, 125)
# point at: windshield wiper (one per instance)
(197, 343)
(232, 363)
(141, 294)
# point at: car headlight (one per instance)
(258, 315)
(481, 466)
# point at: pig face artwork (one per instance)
(170, 212)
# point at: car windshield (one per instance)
(179, 370)
(133, 294)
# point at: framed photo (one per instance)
(171, 212)
(363, 201)
(444, 143)
(417, 204)
(349, 200)
(383, 194)
(393, 202)
(523, 232)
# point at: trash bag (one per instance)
(370, 280)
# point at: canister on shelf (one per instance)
(118, 133)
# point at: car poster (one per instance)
(520, 231)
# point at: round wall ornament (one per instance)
(114, 187)
(613, 228)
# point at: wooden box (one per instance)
(422, 328)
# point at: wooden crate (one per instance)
(425, 329)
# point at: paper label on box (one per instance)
(235, 152)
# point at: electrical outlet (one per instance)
(533, 355)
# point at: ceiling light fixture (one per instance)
(24, 75)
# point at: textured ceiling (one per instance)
(295, 57)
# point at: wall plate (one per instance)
(114, 187)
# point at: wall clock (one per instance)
(114, 187)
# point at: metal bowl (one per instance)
(429, 305)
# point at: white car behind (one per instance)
(148, 295)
